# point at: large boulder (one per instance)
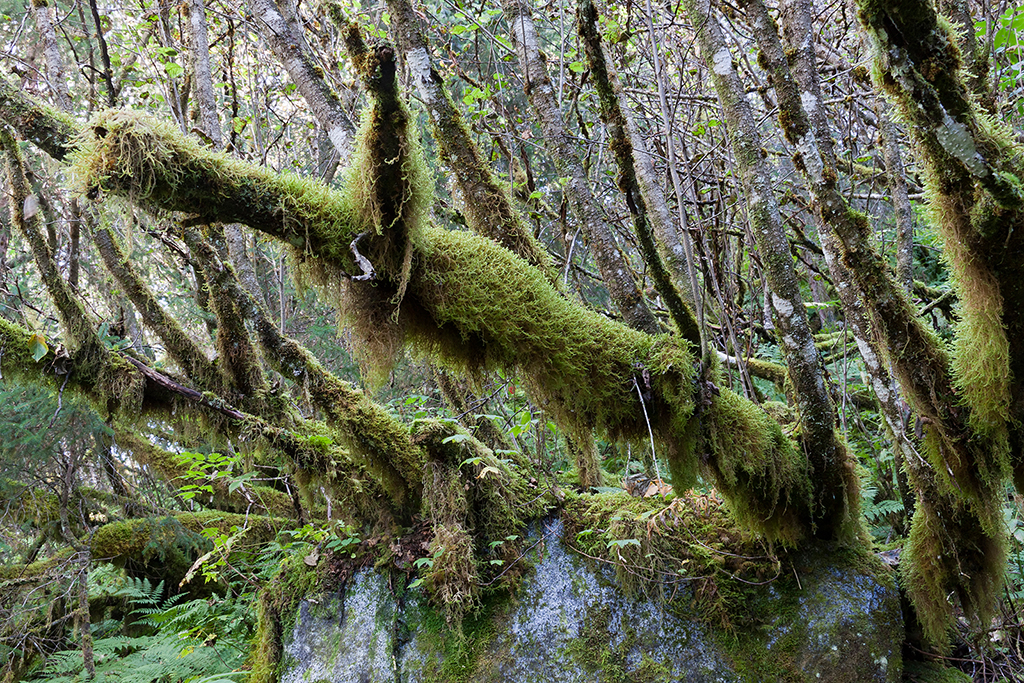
(826, 616)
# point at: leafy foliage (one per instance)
(161, 640)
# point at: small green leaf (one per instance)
(37, 345)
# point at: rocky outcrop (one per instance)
(826, 617)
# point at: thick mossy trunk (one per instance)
(971, 400)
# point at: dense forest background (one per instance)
(286, 288)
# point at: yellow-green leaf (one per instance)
(37, 345)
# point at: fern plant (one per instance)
(202, 640)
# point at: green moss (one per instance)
(981, 348)
(759, 470)
(934, 672)
(690, 541)
(152, 163)
(950, 554)
(276, 609)
(461, 648)
(388, 187)
(482, 308)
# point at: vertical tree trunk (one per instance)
(613, 268)
(488, 207)
(645, 218)
(285, 41)
(897, 177)
(83, 616)
(43, 12)
(108, 76)
(836, 489)
(199, 55)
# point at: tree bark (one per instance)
(897, 177)
(615, 272)
(488, 207)
(836, 489)
(284, 40)
(43, 12)
(646, 216)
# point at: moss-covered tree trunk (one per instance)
(651, 218)
(836, 487)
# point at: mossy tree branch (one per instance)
(473, 304)
(47, 128)
(25, 215)
(974, 172)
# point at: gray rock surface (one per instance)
(569, 622)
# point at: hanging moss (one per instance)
(756, 467)
(477, 505)
(451, 577)
(951, 555)
(588, 466)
